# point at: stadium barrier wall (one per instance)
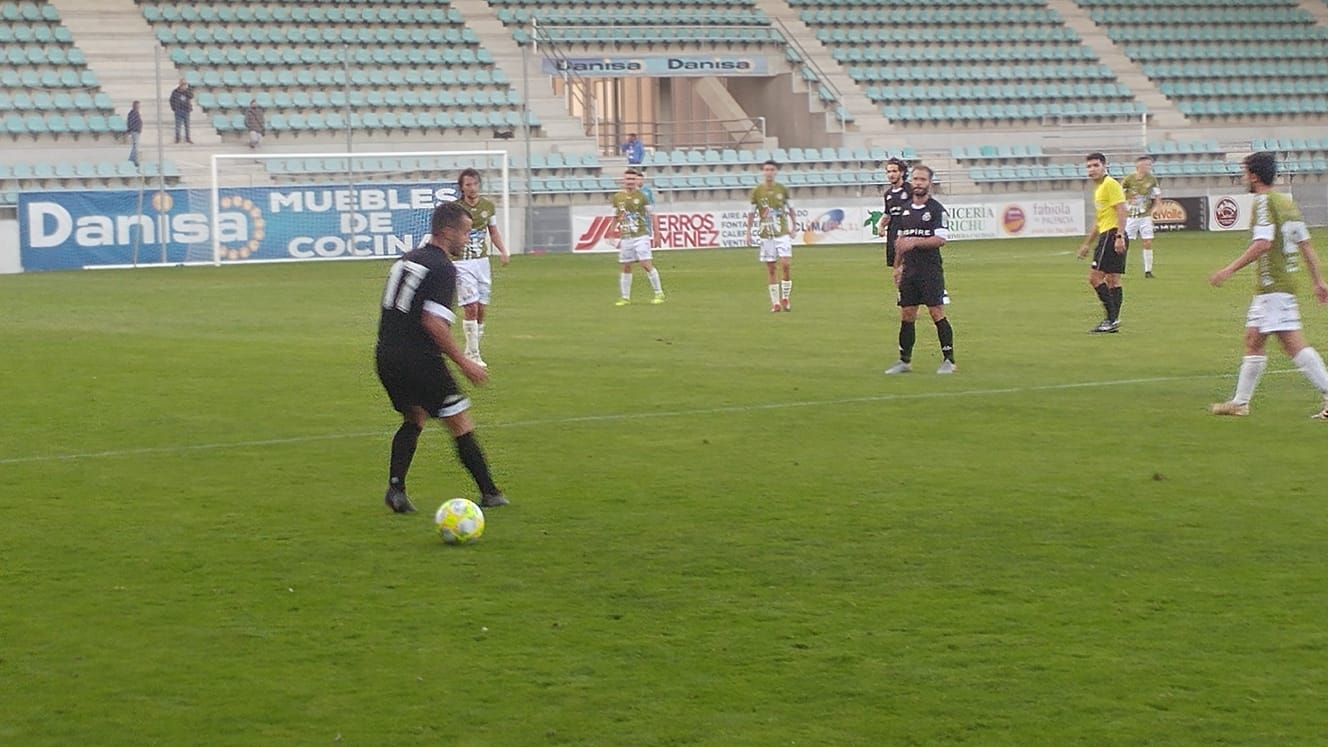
(9, 253)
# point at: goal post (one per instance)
(281, 207)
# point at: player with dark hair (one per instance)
(897, 197)
(1142, 194)
(1277, 235)
(1108, 228)
(414, 337)
(774, 234)
(474, 273)
(918, 274)
(633, 220)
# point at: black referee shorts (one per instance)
(922, 288)
(1105, 258)
(415, 380)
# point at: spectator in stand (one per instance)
(253, 122)
(133, 128)
(634, 149)
(182, 103)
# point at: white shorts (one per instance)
(771, 249)
(1139, 228)
(1273, 312)
(474, 281)
(635, 249)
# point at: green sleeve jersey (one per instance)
(631, 210)
(1139, 193)
(1277, 219)
(772, 210)
(482, 215)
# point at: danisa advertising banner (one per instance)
(661, 66)
(820, 222)
(75, 229)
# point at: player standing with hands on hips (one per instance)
(414, 337)
(923, 230)
(1108, 228)
(1277, 235)
(636, 237)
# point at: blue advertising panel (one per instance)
(62, 230)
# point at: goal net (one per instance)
(282, 207)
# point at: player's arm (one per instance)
(1157, 200)
(649, 215)
(1088, 239)
(497, 238)
(1120, 227)
(1261, 243)
(1302, 237)
(792, 219)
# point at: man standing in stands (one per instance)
(635, 150)
(133, 128)
(182, 103)
(253, 122)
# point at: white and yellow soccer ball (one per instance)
(459, 521)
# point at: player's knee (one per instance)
(459, 424)
(415, 416)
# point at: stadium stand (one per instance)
(1040, 69)
(1217, 60)
(397, 66)
(644, 23)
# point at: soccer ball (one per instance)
(459, 521)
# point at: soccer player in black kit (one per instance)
(923, 231)
(897, 197)
(414, 336)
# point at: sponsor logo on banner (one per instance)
(1181, 214)
(1231, 212)
(823, 226)
(658, 66)
(1013, 219)
(73, 229)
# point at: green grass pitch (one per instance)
(728, 527)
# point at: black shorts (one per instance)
(416, 380)
(922, 288)
(1105, 258)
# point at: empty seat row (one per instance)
(644, 5)
(300, 13)
(60, 124)
(931, 17)
(374, 99)
(1173, 147)
(1278, 106)
(653, 34)
(1244, 15)
(81, 101)
(1002, 152)
(977, 73)
(944, 34)
(1230, 87)
(734, 157)
(1270, 69)
(1287, 145)
(31, 79)
(43, 54)
(324, 55)
(27, 11)
(920, 3)
(337, 78)
(1228, 51)
(614, 15)
(1245, 33)
(381, 121)
(1000, 92)
(989, 112)
(85, 169)
(1032, 53)
(25, 33)
(206, 35)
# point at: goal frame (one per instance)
(215, 183)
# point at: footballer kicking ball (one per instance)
(459, 521)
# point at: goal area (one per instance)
(287, 207)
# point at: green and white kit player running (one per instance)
(1278, 238)
(632, 219)
(774, 237)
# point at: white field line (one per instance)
(618, 417)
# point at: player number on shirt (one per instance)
(402, 284)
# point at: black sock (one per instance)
(403, 451)
(468, 451)
(1117, 298)
(907, 335)
(945, 333)
(1104, 294)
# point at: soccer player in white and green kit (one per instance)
(770, 205)
(474, 275)
(1142, 194)
(636, 239)
(1278, 238)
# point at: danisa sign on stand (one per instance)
(660, 66)
(73, 229)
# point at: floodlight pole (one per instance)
(529, 211)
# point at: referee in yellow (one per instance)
(1108, 227)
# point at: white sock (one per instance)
(1148, 260)
(472, 329)
(481, 330)
(1251, 368)
(625, 283)
(1310, 363)
(785, 288)
(653, 276)
(774, 294)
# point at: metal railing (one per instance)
(748, 132)
(574, 84)
(836, 98)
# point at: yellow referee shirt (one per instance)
(1106, 197)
